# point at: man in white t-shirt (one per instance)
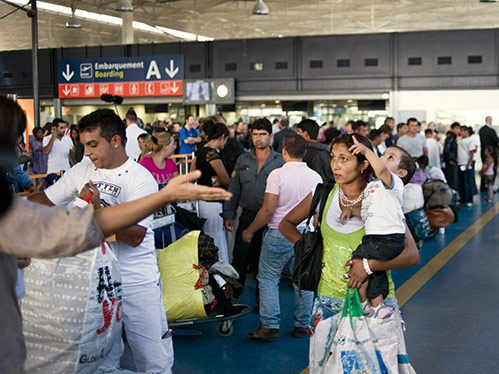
(286, 187)
(433, 149)
(57, 147)
(467, 147)
(413, 142)
(132, 132)
(114, 178)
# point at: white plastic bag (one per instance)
(349, 343)
(352, 350)
(71, 312)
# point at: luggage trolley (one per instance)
(225, 324)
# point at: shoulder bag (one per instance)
(308, 249)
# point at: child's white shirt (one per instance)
(381, 209)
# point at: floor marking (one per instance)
(423, 275)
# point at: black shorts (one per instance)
(379, 247)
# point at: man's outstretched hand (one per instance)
(182, 188)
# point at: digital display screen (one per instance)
(199, 91)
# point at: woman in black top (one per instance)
(208, 158)
(77, 152)
(210, 163)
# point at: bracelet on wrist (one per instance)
(365, 263)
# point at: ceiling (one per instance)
(232, 19)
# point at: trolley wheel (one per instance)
(226, 328)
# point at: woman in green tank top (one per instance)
(340, 239)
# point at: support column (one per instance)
(34, 62)
(394, 105)
(127, 28)
(57, 108)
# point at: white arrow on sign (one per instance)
(66, 90)
(174, 87)
(173, 70)
(68, 74)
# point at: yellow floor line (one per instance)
(418, 280)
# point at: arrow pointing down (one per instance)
(173, 70)
(174, 87)
(66, 89)
(68, 74)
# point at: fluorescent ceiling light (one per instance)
(96, 17)
(184, 35)
(112, 20)
(145, 27)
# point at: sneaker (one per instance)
(383, 312)
(469, 204)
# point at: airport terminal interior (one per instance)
(267, 98)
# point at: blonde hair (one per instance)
(159, 140)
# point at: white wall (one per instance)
(469, 107)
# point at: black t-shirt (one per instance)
(204, 156)
(232, 150)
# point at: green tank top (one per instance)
(338, 248)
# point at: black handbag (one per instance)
(307, 267)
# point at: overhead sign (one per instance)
(209, 91)
(123, 76)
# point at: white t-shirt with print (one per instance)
(127, 182)
(381, 209)
(58, 158)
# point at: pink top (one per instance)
(292, 183)
(490, 170)
(162, 176)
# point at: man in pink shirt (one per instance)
(286, 187)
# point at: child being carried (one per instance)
(383, 219)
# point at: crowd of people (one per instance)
(270, 172)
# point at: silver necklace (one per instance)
(347, 203)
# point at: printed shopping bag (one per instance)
(352, 350)
(350, 343)
(71, 312)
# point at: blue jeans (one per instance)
(277, 255)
